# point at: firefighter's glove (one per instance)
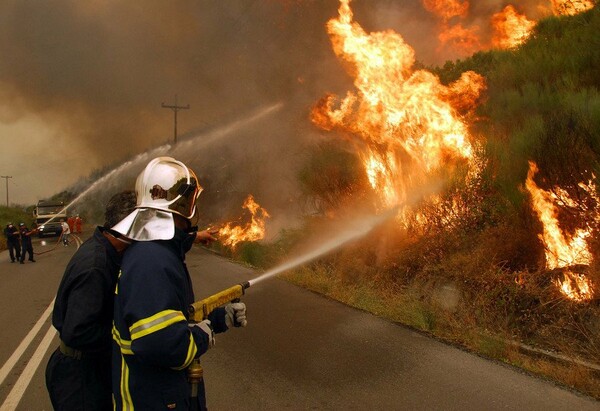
(207, 329)
(235, 315)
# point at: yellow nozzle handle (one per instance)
(199, 310)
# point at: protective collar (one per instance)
(147, 224)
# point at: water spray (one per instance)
(183, 146)
(199, 310)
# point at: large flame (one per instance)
(571, 7)
(510, 28)
(561, 250)
(400, 114)
(231, 234)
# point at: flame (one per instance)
(575, 286)
(461, 39)
(230, 235)
(561, 250)
(447, 9)
(406, 119)
(510, 28)
(570, 7)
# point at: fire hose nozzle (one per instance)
(199, 310)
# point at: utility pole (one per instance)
(175, 109)
(6, 178)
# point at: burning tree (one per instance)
(405, 124)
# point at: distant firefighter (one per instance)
(78, 224)
(26, 245)
(12, 241)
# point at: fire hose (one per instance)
(199, 311)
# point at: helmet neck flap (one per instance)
(165, 187)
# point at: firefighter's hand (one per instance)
(207, 329)
(235, 315)
(206, 236)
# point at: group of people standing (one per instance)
(18, 241)
(122, 305)
(75, 224)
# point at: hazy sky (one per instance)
(81, 83)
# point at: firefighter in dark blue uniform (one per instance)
(78, 374)
(12, 242)
(26, 245)
(154, 343)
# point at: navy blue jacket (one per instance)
(153, 341)
(83, 310)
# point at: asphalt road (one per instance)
(300, 351)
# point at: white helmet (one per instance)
(164, 187)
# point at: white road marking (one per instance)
(15, 395)
(10, 363)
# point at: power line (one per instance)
(6, 178)
(175, 109)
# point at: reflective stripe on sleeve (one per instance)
(155, 323)
(192, 350)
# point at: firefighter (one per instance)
(154, 344)
(26, 245)
(78, 223)
(12, 241)
(78, 374)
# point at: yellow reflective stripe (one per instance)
(192, 350)
(155, 323)
(124, 345)
(124, 388)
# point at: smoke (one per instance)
(81, 83)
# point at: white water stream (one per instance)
(186, 146)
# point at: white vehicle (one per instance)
(49, 210)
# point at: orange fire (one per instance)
(570, 7)
(575, 286)
(407, 120)
(561, 250)
(510, 28)
(447, 9)
(463, 40)
(230, 235)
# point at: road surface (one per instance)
(300, 351)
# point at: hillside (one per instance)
(502, 261)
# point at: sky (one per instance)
(81, 84)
